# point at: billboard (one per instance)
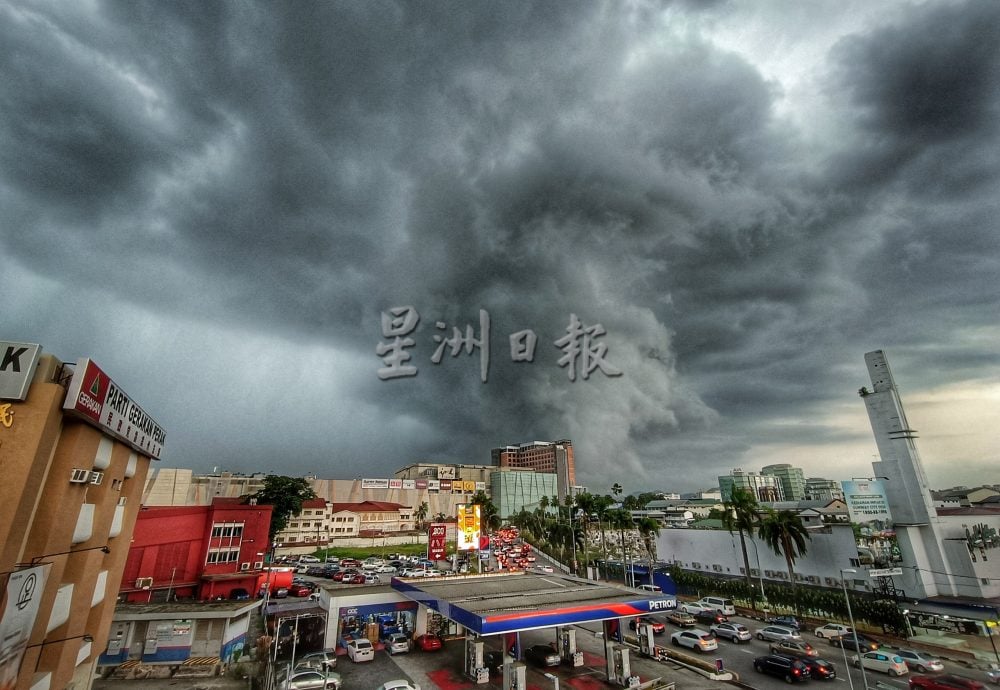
(446, 472)
(395, 483)
(420, 483)
(93, 397)
(17, 367)
(20, 608)
(436, 541)
(409, 484)
(468, 528)
(866, 501)
(374, 483)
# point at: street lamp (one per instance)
(854, 630)
(36, 559)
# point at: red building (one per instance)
(196, 552)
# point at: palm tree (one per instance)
(421, 513)
(784, 532)
(649, 528)
(740, 513)
(489, 514)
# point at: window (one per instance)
(223, 555)
(227, 529)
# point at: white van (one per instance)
(719, 605)
(650, 588)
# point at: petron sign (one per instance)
(17, 367)
(94, 398)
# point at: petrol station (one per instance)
(505, 604)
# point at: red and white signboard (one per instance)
(94, 398)
(437, 541)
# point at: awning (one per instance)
(970, 609)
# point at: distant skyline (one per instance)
(218, 202)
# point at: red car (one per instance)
(300, 590)
(945, 681)
(358, 579)
(656, 625)
(427, 643)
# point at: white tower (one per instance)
(919, 532)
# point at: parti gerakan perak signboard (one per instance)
(94, 398)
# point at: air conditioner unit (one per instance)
(121, 500)
(696, 565)
(96, 478)
(244, 566)
(79, 476)
(754, 572)
(717, 568)
(830, 581)
(257, 565)
(144, 583)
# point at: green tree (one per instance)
(488, 512)
(285, 495)
(784, 532)
(741, 513)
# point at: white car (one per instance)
(698, 640)
(777, 633)
(308, 559)
(360, 650)
(389, 569)
(543, 569)
(694, 607)
(324, 661)
(398, 685)
(832, 630)
(309, 679)
(882, 661)
(921, 662)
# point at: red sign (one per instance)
(436, 541)
(484, 542)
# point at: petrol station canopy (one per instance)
(498, 603)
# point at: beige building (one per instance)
(75, 452)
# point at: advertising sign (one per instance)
(433, 484)
(446, 472)
(480, 486)
(17, 366)
(420, 483)
(436, 541)
(470, 487)
(445, 485)
(93, 397)
(395, 483)
(468, 527)
(20, 607)
(866, 501)
(374, 483)
(409, 484)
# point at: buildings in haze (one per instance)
(819, 489)
(765, 488)
(76, 450)
(793, 480)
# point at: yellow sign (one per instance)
(468, 527)
(6, 415)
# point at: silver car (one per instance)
(398, 644)
(734, 632)
(921, 662)
(310, 680)
(777, 633)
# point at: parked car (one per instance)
(542, 655)
(698, 640)
(239, 594)
(398, 685)
(371, 579)
(359, 650)
(854, 640)
(300, 590)
(945, 681)
(922, 662)
(777, 633)
(315, 570)
(280, 593)
(680, 618)
(397, 643)
(308, 559)
(710, 617)
(734, 632)
(656, 625)
(792, 670)
(820, 669)
(797, 648)
(993, 674)
(310, 680)
(693, 607)
(324, 661)
(882, 661)
(831, 630)
(386, 568)
(427, 643)
(785, 622)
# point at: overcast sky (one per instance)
(217, 202)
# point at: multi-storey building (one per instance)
(819, 489)
(553, 457)
(75, 452)
(515, 490)
(793, 480)
(319, 522)
(765, 488)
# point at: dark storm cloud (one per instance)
(264, 180)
